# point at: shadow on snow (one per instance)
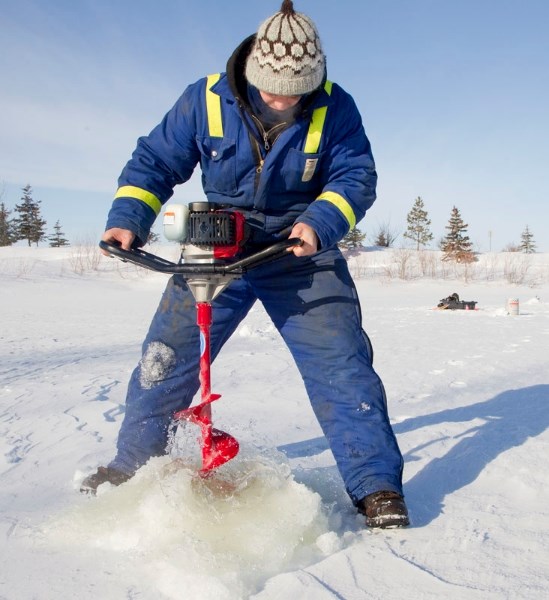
(509, 420)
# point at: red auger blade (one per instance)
(218, 447)
(222, 449)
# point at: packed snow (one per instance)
(468, 394)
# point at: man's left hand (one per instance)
(309, 238)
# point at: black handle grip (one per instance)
(156, 263)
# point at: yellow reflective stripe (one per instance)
(314, 135)
(339, 202)
(312, 142)
(213, 107)
(129, 191)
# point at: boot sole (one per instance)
(388, 522)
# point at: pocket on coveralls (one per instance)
(300, 172)
(218, 163)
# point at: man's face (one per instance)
(277, 102)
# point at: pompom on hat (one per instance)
(286, 58)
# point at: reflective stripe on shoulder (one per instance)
(340, 203)
(213, 107)
(314, 135)
(129, 191)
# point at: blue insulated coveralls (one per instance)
(320, 171)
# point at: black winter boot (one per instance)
(384, 509)
(103, 475)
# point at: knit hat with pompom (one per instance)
(286, 58)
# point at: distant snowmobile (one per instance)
(454, 303)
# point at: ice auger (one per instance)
(212, 238)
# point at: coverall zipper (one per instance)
(259, 154)
(267, 145)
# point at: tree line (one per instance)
(28, 224)
(455, 245)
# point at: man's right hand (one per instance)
(124, 237)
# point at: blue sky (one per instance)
(454, 97)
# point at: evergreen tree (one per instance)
(385, 236)
(456, 245)
(418, 224)
(58, 239)
(352, 240)
(527, 244)
(29, 225)
(7, 234)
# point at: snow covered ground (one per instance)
(468, 396)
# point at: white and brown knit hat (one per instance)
(287, 57)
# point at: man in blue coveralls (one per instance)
(287, 148)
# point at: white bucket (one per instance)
(513, 306)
